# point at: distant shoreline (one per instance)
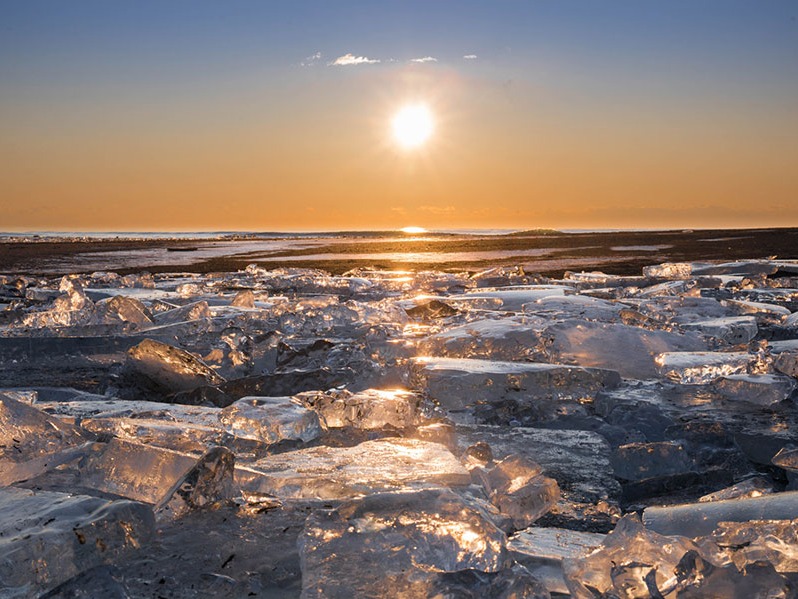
(546, 252)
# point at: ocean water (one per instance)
(624, 251)
(232, 235)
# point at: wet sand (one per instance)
(548, 253)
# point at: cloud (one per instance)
(470, 56)
(311, 60)
(425, 59)
(350, 59)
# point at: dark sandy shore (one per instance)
(548, 252)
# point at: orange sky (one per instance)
(521, 141)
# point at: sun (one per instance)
(412, 126)
(413, 230)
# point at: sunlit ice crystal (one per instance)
(270, 419)
(173, 368)
(511, 339)
(125, 310)
(69, 309)
(772, 541)
(515, 486)
(669, 270)
(630, 562)
(187, 313)
(460, 383)
(396, 544)
(368, 409)
(696, 368)
(152, 475)
(578, 460)
(345, 472)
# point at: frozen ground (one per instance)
(289, 433)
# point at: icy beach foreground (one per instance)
(286, 433)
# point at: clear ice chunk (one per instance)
(640, 461)
(514, 581)
(173, 368)
(700, 519)
(683, 289)
(759, 309)
(574, 307)
(28, 396)
(740, 268)
(542, 551)
(578, 460)
(752, 487)
(27, 433)
(515, 486)
(188, 313)
(396, 544)
(669, 270)
(786, 458)
(135, 471)
(244, 299)
(207, 484)
(772, 541)
(368, 410)
(787, 362)
(270, 420)
(458, 384)
(758, 389)
(47, 538)
(138, 281)
(630, 350)
(732, 330)
(345, 472)
(630, 562)
(511, 299)
(699, 368)
(72, 308)
(126, 310)
(179, 436)
(504, 339)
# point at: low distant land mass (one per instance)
(545, 251)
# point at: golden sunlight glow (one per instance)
(412, 126)
(413, 230)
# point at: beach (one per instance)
(550, 253)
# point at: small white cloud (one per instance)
(425, 59)
(470, 56)
(311, 60)
(350, 59)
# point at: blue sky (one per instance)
(705, 76)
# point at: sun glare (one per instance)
(413, 230)
(412, 126)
